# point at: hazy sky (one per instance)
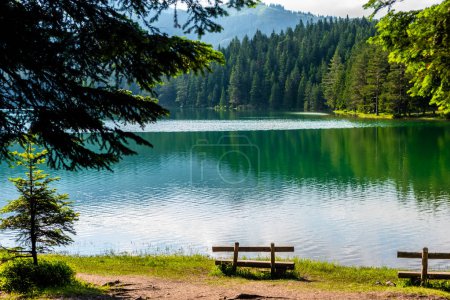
(352, 8)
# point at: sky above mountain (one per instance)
(342, 8)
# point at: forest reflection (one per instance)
(414, 158)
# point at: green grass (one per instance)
(165, 266)
(428, 116)
(361, 115)
(334, 277)
(308, 274)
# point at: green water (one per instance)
(337, 189)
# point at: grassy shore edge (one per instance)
(385, 116)
(309, 274)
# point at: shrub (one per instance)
(22, 276)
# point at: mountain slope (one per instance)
(267, 19)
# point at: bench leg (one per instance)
(272, 259)
(424, 275)
(235, 256)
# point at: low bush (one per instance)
(22, 276)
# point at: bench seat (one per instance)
(258, 263)
(430, 275)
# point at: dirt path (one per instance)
(139, 287)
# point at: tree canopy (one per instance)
(419, 40)
(62, 64)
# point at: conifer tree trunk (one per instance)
(32, 210)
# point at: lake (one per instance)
(343, 190)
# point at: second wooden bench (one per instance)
(275, 266)
(424, 274)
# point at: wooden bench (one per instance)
(274, 266)
(424, 275)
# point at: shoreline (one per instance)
(181, 273)
(385, 116)
(196, 276)
(428, 116)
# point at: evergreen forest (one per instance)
(323, 66)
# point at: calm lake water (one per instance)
(342, 190)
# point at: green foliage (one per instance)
(378, 5)
(63, 64)
(280, 71)
(23, 276)
(40, 216)
(420, 40)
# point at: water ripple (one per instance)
(248, 125)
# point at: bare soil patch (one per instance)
(141, 287)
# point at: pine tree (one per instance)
(223, 98)
(291, 88)
(316, 98)
(395, 98)
(235, 89)
(333, 81)
(375, 75)
(255, 91)
(40, 216)
(275, 95)
(301, 92)
(214, 98)
(201, 93)
(357, 80)
(307, 105)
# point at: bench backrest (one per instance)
(431, 255)
(252, 249)
(425, 256)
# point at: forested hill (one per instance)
(280, 71)
(266, 18)
(323, 66)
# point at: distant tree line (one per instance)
(280, 71)
(323, 66)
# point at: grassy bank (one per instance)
(350, 113)
(309, 274)
(428, 116)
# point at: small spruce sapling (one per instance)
(40, 216)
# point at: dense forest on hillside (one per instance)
(323, 66)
